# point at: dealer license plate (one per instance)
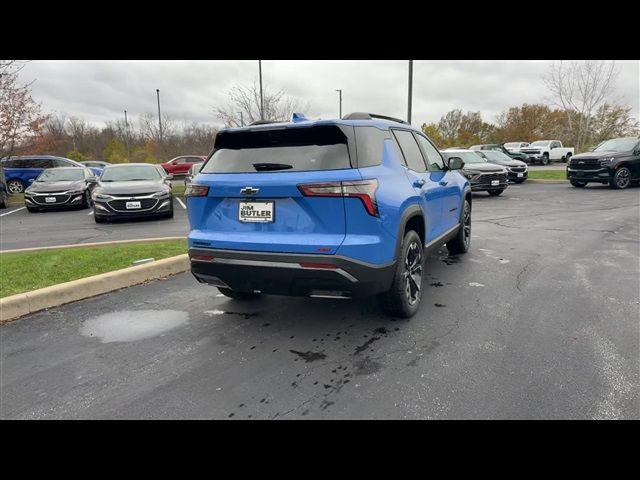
(132, 205)
(256, 212)
(495, 183)
(50, 199)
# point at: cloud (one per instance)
(100, 91)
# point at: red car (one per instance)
(181, 165)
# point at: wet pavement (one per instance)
(539, 320)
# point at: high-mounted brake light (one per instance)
(194, 190)
(363, 189)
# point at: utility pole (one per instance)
(159, 117)
(126, 134)
(410, 90)
(340, 92)
(241, 119)
(261, 97)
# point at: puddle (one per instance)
(133, 325)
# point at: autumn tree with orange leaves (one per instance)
(20, 116)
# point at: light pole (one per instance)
(261, 97)
(126, 133)
(241, 120)
(159, 117)
(340, 92)
(410, 90)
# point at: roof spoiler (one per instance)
(371, 116)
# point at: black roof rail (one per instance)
(371, 116)
(265, 122)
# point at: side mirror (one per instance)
(169, 176)
(455, 163)
(92, 180)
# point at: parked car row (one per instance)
(21, 171)
(541, 151)
(130, 190)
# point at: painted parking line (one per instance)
(181, 203)
(12, 211)
(90, 213)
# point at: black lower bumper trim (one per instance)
(282, 274)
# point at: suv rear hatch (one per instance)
(275, 189)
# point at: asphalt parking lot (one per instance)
(538, 320)
(22, 229)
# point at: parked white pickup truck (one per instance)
(545, 151)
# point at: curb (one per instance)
(22, 304)
(94, 244)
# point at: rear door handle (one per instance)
(418, 183)
(443, 183)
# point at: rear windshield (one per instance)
(323, 147)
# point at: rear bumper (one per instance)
(289, 274)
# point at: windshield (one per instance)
(130, 173)
(61, 175)
(467, 157)
(496, 156)
(539, 143)
(617, 145)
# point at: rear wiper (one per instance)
(271, 166)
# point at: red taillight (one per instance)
(363, 189)
(328, 266)
(194, 190)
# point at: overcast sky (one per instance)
(100, 91)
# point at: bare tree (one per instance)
(278, 106)
(449, 124)
(20, 116)
(580, 88)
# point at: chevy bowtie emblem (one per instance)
(580, 161)
(249, 191)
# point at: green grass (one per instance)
(26, 271)
(547, 174)
(178, 189)
(15, 200)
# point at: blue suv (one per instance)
(21, 171)
(328, 208)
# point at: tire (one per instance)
(545, 159)
(227, 292)
(578, 184)
(86, 200)
(403, 298)
(170, 214)
(98, 219)
(519, 181)
(495, 193)
(15, 186)
(621, 179)
(461, 242)
(567, 159)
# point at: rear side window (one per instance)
(324, 147)
(410, 150)
(369, 144)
